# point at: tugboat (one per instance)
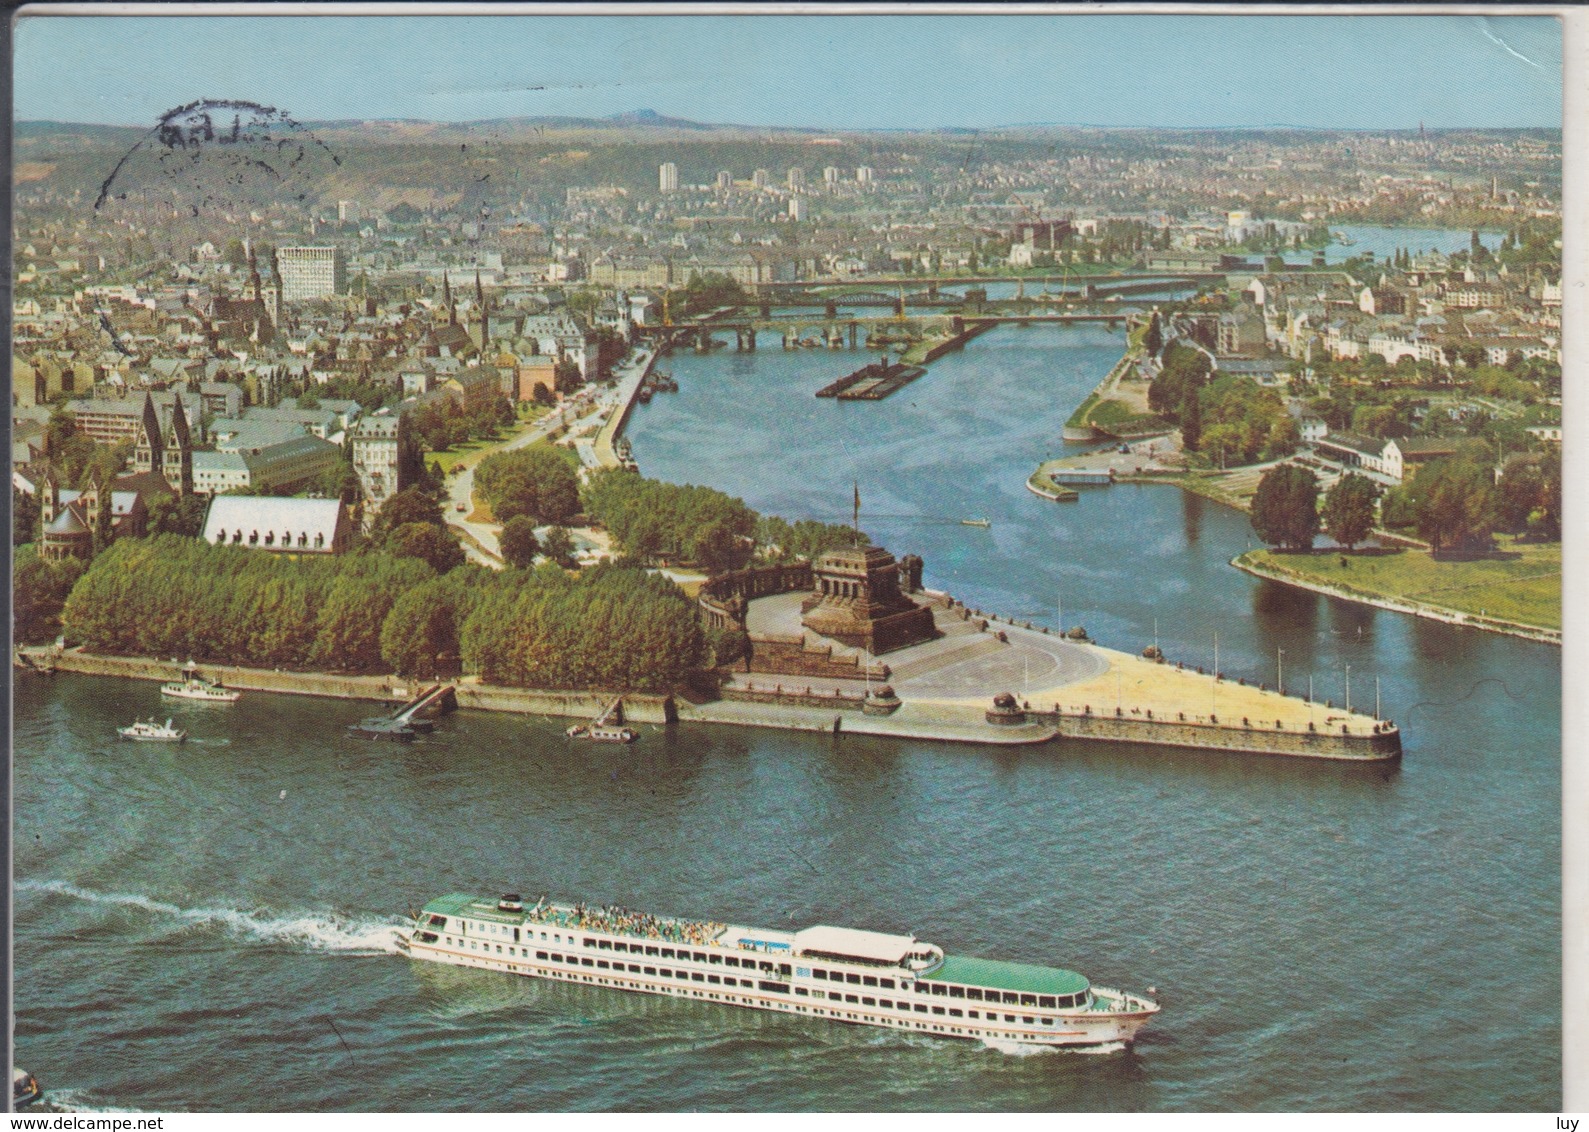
(152, 732)
(24, 1088)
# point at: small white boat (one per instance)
(197, 688)
(151, 732)
(602, 734)
(24, 1088)
(605, 728)
(976, 522)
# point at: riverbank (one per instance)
(1477, 594)
(639, 707)
(1163, 706)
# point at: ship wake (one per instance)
(310, 930)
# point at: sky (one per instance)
(826, 71)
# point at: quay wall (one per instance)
(608, 434)
(385, 689)
(1359, 747)
(971, 331)
(1363, 747)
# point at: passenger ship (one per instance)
(839, 974)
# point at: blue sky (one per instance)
(830, 71)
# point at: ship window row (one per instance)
(851, 977)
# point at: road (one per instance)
(592, 406)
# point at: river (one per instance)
(206, 927)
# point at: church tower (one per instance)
(485, 319)
(178, 459)
(148, 451)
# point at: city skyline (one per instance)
(813, 71)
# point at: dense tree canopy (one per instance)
(610, 627)
(1242, 422)
(806, 538)
(653, 520)
(38, 591)
(175, 596)
(1182, 367)
(1529, 496)
(1285, 509)
(1454, 503)
(539, 482)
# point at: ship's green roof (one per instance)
(998, 975)
(464, 904)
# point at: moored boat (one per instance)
(24, 1088)
(836, 974)
(197, 688)
(602, 734)
(148, 731)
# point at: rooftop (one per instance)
(999, 975)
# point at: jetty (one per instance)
(416, 717)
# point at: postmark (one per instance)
(220, 154)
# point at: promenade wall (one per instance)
(386, 689)
(1362, 747)
(1359, 747)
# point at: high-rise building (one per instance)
(830, 175)
(668, 177)
(797, 208)
(310, 273)
(797, 177)
(759, 178)
(863, 174)
(725, 180)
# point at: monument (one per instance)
(856, 599)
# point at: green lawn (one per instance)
(1079, 417)
(1522, 583)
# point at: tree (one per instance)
(1191, 420)
(559, 547)
(539, 481)
(411, 505)
(1285, 509)
(421, 628)
(1519, 493)
(38, 591)
(24, 517)
(518, 542)
(178, 515)
(1455, 503)
(427, 542)
(565, 375)
(1153, 337)
(1349, 509)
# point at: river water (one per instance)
(206, 927)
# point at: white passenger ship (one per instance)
(840, 974)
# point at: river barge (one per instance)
(872, 382)
(836, 974)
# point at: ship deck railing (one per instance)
(695, 933)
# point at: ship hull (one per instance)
(1076, 1029)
